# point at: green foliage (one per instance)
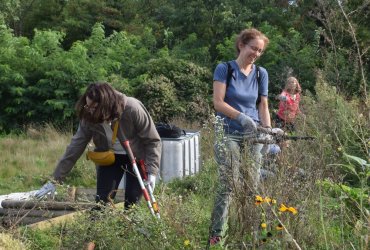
(159, 96)
(38, 239)
(193, 50)
(288, 55)
(355, 199)
(189, 82)
(40, 81)
(200, 184)
(345, 125)
(71, 43)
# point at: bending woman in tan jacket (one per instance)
(98, 109)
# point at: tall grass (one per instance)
(329, 216)
(29, 159)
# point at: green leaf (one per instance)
(360, 161)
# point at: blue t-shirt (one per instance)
(242, 92)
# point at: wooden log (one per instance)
(54, 221)
(32, 212)
(48, 205)
(62, 219)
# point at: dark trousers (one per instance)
(109, 177)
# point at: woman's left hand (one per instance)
(278, 131)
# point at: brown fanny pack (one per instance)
(104, 158)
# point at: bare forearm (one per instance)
(226, 109)
(264, 113)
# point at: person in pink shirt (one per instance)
(289, 105)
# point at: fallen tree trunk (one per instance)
(32, 212)
(48, 205)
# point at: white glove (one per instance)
(247, 123)
(266, 137)
(282, 98)
(277, 131)
(48, 188)
(274, 149)
(151, 181)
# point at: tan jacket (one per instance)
(137, 126)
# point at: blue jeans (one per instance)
(228, 155)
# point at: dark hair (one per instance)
(245, 36)
(110, 103)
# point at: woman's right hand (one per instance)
(48, 188)
(247, 123)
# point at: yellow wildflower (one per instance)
(279, 227)
(186, 242)
(267, 200)
(263, 225)
(258, 200)
(293, 210)
(283, 208)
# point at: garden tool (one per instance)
(146, 189)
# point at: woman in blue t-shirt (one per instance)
(240, 90)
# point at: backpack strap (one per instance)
(259, 83)
(230, 74)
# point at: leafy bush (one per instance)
(159, 96)
(191, 84)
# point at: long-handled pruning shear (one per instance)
(146, 188)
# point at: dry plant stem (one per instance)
(353, 247)
(20, 219)
(286, 230)
(322, 221)
(358, 51)
(330, 40)
(359, 132)
(110, 199)
(62, 228)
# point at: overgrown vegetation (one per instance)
(164, 52)
(320, 191)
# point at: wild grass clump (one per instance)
(29, 159)
(9, 242)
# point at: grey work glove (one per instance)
(278, 131)
(48, 188)
(247, 123)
